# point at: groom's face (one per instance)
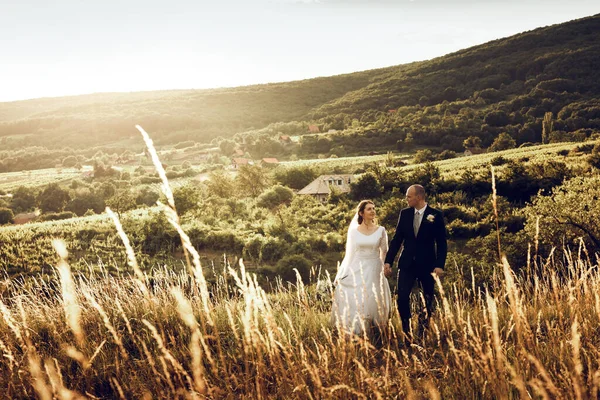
(412, 198)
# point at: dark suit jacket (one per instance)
(425, 252)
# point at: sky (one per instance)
(70, 47)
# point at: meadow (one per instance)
(11, 180)
(174, 333)
(174, 336)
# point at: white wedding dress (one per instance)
(362, 293)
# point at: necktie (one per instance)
(417, 222)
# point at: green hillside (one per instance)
(507, 85)
(172, 116)
(504, 86)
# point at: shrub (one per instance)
(446, 155)
(272, 250)
(6, 216)
(594, 160)
(146, 180)
(285, 268)
(423, 156)
(253, 247)
(57, 216)
(498, 160)
(458, 229)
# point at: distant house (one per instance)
(473, 150)
(392, 111)
(239, 153)
(239, 162)
(285, 140)
(314, 129)
(320, 188)
(269, 162)
(24, 218)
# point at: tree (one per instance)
(70, 162)
(423, 156)
(295, 178)
(251, 180)
(147, 197)
(366, 187)
(186, 198)
(227, 146)
(108, 190)
(275, 197)
(472, 142)
(220, 184)
(570, 212)
(409, 142)
(84, 202)
(53, 198)
(122, 201)
(497, 118)
(23, 199)
(6, 216)
(547, 126)
(427, 175)
(503, 142)
(323, 145)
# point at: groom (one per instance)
(422, 231)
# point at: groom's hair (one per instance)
(419, 190)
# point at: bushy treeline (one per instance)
(256, 215)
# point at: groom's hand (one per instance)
(438, 272)
(387, 270)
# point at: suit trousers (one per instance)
(406, 280)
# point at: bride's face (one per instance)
(369, 212)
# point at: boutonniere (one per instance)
(431, 218)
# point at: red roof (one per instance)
(313, 129)
(270, 160)
(241, 161)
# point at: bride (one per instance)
(361, 299)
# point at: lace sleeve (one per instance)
(383, 244)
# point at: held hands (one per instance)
(387, 270)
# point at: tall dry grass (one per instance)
(534, 337)
(174, 336)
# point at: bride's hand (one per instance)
(387, 270)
